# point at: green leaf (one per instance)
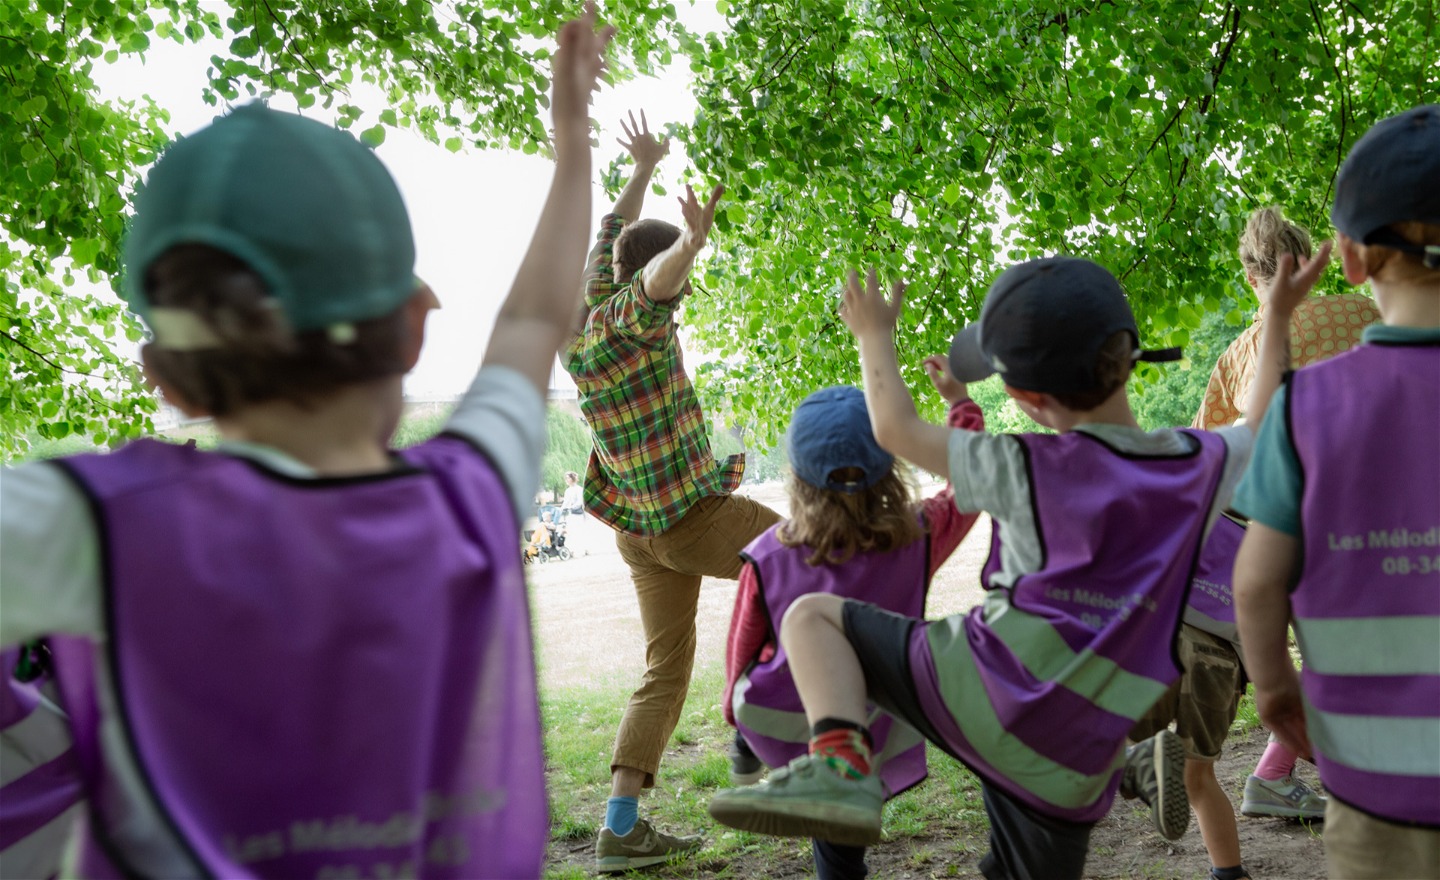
(373, 136)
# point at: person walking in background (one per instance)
(1343, 495)
(652, 476)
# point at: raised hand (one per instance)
(867, 311)
(643, 147)
(579, 63)
(937, 367)
(698, 218)
(1291, 286)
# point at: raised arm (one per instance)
(1289, 289)
(666, 273)
(647, 151)
(539, 311)
(898, 427)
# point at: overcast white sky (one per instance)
(472, 212)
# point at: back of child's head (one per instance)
(270, 255)
(638, 243)
(1267, 236)
(1387, 197)
(1058, 325)
(846, 495)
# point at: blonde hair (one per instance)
(1402, 266)
(837, 525)
(1267, 236)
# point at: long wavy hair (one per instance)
(837, 525)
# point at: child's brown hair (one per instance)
(1112, 370)
(639, 243)
(837, 525)
(255, 356)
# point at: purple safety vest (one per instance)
(1367, 605)
(767, 706)
(1212, 602)
(41, 790)
(1042, 691)
(317, 678)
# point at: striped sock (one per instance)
(847, 752)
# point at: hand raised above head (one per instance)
(698, 218)
(1291, 285)
(645, 148)
(937, 367)
(867, 311)
(578, 66)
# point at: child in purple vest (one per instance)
(1343, 495)
(305, 653)
(1096, 533)
(40, 790)
(853, 531)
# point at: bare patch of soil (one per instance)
(585, 608)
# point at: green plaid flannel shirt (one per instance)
(651, 458)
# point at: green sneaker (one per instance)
(1155, 773)
(806, 799)
(642, 847)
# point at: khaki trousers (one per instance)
(667, 569)
(1357, 846)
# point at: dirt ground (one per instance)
(585, 607)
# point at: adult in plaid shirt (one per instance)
(652, 475)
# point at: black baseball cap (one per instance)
(1042, 327)
(1392, 175)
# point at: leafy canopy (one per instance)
(936, 139)
(461, 73)
(941, 140)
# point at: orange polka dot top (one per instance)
(1322, 326)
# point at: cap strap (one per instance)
(1159, 355)
(181, 330)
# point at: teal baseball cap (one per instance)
(306, 206)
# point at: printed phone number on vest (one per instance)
(1394, 539)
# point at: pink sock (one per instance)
(1277, 762)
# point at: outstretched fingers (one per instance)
(1292, 285)
(579, 64)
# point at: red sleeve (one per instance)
(948, 526)
(749, 635)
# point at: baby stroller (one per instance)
(549, 545)
(556, 549)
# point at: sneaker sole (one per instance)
(619, 864)
(1274, 811)
(1172, 815)
(837, 823)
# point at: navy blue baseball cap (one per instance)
(831, 432)
(1392, 175)
(1042, 327)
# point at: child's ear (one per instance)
(1036, 404)
(420, 303)
(1352, 259)
(172, 396)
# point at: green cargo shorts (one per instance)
(1203, 703)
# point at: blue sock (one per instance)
(621, 814)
